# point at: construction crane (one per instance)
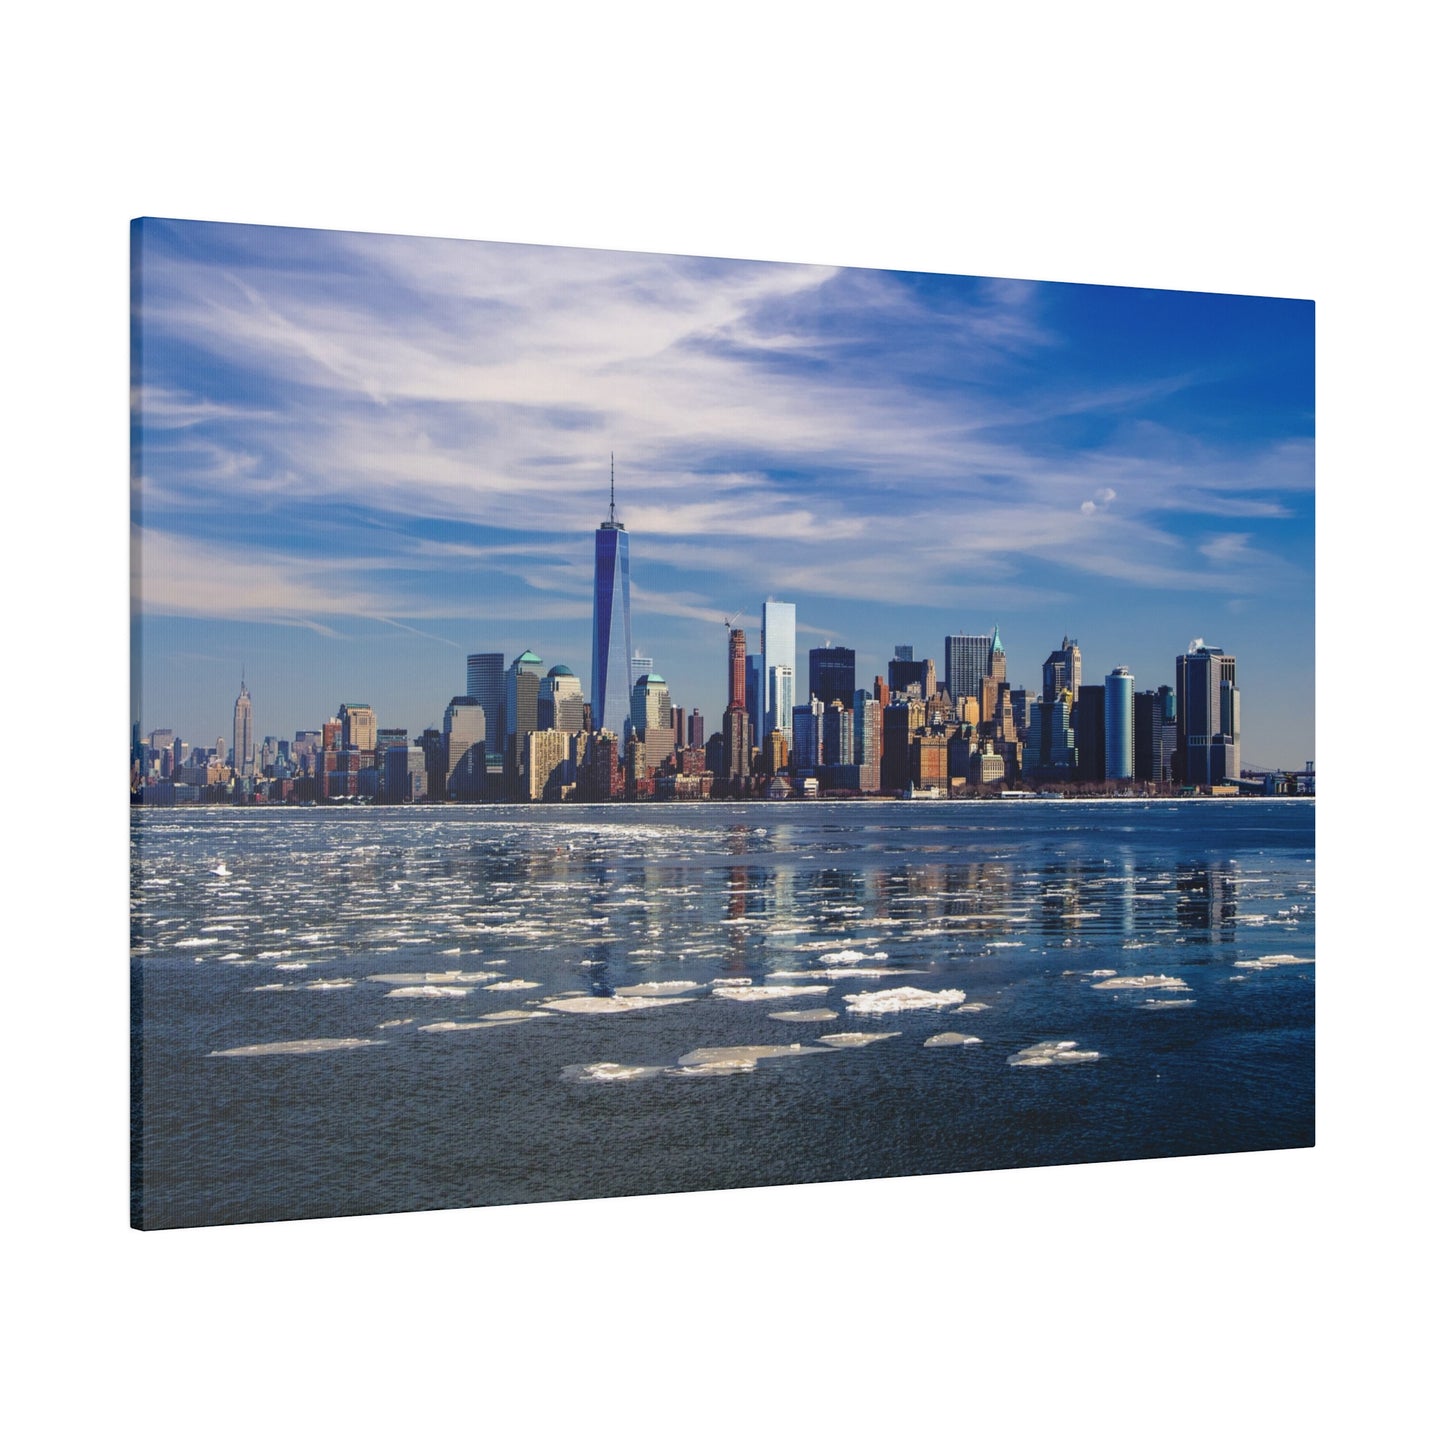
(728, 621)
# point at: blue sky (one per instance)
(362, 457)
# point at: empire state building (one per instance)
(611, 623)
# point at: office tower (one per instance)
(837, 734)
(831, 674)
(559, 700)
(737, 727)
(965, 663)
(780, 649)
(549, 772)
(1087, 720)
(880, 692)
(404, 774)
(1119, 725)
(696, 730)
(464, 731)
(611, 622)
(679, 727)
(486, 681)
(995, 678)
(651, 705)
(1050, 751)
(1021, 700)
(389, 738)
(867, 739)
(1168, 732)
(358, 726)
(1208, 716)
(806, 751)
(524, 684)
(754, 692)
(904, 672)
(1064, 669)
(241, 743)
(637, 666)
(780, 691)
(1148, 738)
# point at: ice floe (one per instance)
(944, 1041)
(1160, 981)
(896, 1000)
(1271, 960)
(610, 1073)
(510, 983)
(805, 1015)
(593, 1004)
(853, 1040)
(648, 990)
(971, 1008)
(849, 955)
(754, 993)
(292, 1046)
(1052, 1051)
(429, 990)
(844, 972)
(738, 1058)
(451, 975)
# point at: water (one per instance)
(358, 1011)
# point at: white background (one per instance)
(1264, 148)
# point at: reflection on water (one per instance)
(262, 931)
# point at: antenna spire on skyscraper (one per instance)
(612, 489)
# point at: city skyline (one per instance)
(362, 459)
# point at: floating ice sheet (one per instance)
(755, 993)
(452, 975)
(1146, 980)
(739, 1058)
(292, 1046)
(896, 1000)
(805, 1015)
(610, 1073)
(1271, 960)
(592, 1004)
(1052, 1051)
(511, 984)
(850, 955)
(655, 989)
(945, 1041)
(853, 1040)
(429, 990)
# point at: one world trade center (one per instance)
(611, 623)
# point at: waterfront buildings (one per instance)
(736, 762)
(486, 683)
(1208, 716)
(611, 621)
(559, 700)
(1119, 725)
(464, 732)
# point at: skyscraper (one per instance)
(1208, 715)
(737, 728)
(831, 674)
(485, 682)
(780, 649)
(464, 730)
(242, 746)
(611, 622)
(965, 664)
(1064, 669)
(1119, 725)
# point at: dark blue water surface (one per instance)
(1145, 972)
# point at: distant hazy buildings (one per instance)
(611, 622)
(464, 734)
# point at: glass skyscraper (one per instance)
(780, 649)
(611, 625)
(1119, 724)
(486, 681)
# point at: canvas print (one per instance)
(611, 724)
